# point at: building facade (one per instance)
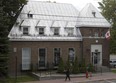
(46, 31)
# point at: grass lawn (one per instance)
(114, 70)
(24, 78)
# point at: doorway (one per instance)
(96, 57)
(96, 54)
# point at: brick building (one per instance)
(46, 31)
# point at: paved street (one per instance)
(96, 78)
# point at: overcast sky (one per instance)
(79, 4)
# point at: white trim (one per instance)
(53, 53)
(94, 37)
(14, 39)
(29, 64)
(74, 52)
(99, 48)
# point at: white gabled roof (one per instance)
(89, 16)
(46, 14)
(51, 15)
(49, 8)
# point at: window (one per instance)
(96, 34)
(70, 31)
(94, 13)
(30, 15)
(25, 30)
(56, 56)
(26, 58)
(90, 32)
(71, 54)
(56, 31)
(102, 33)
(42, 54)
(41, 31)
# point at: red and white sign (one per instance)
(107, 35)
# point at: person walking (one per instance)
(67, 74)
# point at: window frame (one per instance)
(56, 31)
(68, 30)
(42, 32)
(73, 55)
(23, 57)
(44, 57)
(30, 15)
(25, 32)
(56, 64)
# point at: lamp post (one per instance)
(15, 50)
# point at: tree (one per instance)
(12, 9)
(108, 10)
(9, 10)
(61, 66)
(3, 45)
(75, 67)
(82, 66)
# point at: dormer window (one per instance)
(70, 31)
(94, 13)
(41, 30)
(56, 31)
(30, 15)
(25, 31)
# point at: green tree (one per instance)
(12, 9)
(9, 10)
(108, 10)
(3, 45)
(61, 66)
(82, 66)
(75, 67)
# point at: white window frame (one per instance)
(54, 53)
(70, 31)
(96, 34)
(69, 54)
(56, 31)
(40, 30)
(26, 59)
(26, 32)
(30, 15)
(45, 56)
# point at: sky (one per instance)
(79, 4)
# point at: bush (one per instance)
(82, 67)
(75, 66)
(90, 68)
(61, 66)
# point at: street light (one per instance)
(15, 50)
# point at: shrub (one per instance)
(60, 66)
(82, 66)
(90, 68)
(75, 66)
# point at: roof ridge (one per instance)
(50, 2)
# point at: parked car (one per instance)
(113, 63)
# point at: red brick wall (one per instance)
(87, 42)
(34, 51)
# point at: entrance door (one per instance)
(42, 57)
(96, 58)
(96, 54)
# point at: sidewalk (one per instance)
(81, 79)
